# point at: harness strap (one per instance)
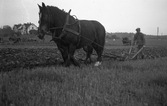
(55, 28)
(72, 31)
(65, 29)
(79, 33)
(65, 25)
(75, 32)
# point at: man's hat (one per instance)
(137, 29)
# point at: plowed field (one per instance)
(14, 58)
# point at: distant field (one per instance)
(149, 42)
(156, 42)
(109, 44)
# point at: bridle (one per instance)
(43, 32)
(64, 28)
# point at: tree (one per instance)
(7, 30)
(7, 27)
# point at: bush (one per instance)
(126, 41)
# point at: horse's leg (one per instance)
(99, 51)
(89, 50)
(63, 50)
(72, 49)
(64, 54)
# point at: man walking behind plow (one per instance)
(139, 42)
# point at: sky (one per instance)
(115, 15)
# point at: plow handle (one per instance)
(137, 52)
(130, 49)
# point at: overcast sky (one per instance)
(115, 15)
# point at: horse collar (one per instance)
(65, 29)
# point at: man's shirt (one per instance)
(139, 39)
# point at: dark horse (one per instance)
(71, 34)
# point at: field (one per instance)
(32, 75)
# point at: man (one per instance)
(139, 41)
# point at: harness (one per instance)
(65, 29)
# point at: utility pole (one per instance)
(157, 32)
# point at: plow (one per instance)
(124, 56)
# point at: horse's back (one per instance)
(87, 33)
(92, 31)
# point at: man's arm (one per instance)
(144, 41)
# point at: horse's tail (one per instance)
(99, 41)
(100, 34)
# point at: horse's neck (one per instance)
(71, 19)
(60, 18)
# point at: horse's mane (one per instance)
(55, 11)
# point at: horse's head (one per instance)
(43, 21)
(41, 34)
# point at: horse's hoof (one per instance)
(77, 64)
(97, 63)
(66, 65)
(85, 62)
(88, 62)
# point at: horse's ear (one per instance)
(43, 4)
(39, 6)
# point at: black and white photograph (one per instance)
(83, 52)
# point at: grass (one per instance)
(114, 83)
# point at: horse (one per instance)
(70, 33)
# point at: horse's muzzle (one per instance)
(40, 36)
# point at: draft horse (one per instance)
(70, 34)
